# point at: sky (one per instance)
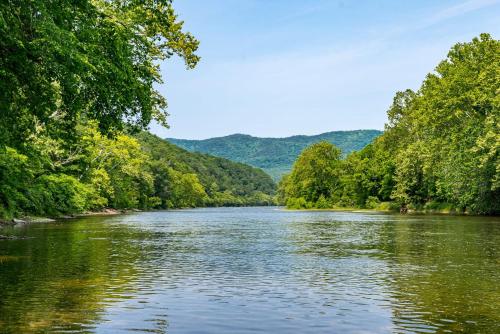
(275, 68)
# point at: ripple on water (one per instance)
(251, 270)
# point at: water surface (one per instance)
(252, 270)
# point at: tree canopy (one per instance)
(440, 148)
(315, 174)
(123, 172)
(62, 61)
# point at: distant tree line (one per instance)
(274, 155)
(439, 151)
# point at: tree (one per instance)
(62, 61)
(440, 147)
(447, 123)
(368, 173)
(315, 173)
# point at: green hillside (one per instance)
(274, 155)
(48, 177)
(225, 182)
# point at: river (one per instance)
(252, 270)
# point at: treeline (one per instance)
(143, 171)
(439, 151)
(77, 79)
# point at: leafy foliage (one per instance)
(77, 79)
(225, 182)
(62, 61)
(440, 148)
(123, 172)
(315, 174)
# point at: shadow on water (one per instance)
(252, 270)
(65, 276)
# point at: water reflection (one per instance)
(248, 270)
(65, 275)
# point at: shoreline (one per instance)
(409, 213)
(28, 220)
(25, 220)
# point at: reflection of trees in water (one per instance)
(342, 260)
(445, 273)
(424, 271)
(440, 273)
(66, 275)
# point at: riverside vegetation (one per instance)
(439, 151)
(76, 91)
(123, 172)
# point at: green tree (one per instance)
(63, 61)
(316, 173)
(447, 123)
(440, 147)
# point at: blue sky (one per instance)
(274, 68)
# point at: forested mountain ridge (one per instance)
(274, 155)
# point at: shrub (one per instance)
(322, 203)
(298, 203)
(372, 202)
(15, 177)
(388, 206)
(57, 194)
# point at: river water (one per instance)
(252, 270)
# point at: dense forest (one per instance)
(123, 172)
(274, 155)
(225, 183)
(439, 151)
(77, 90)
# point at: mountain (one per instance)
(227, 183)
(274, 155)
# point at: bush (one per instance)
(154, 202)
(298, 203)
(388, 206)
(58, 194)
(372, 202)
(346, 202)
(15, 178)
(434, 206)
(322, 203)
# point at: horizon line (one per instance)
(285, 137)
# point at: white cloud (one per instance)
(460, 9)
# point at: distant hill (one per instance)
(274, 155)
(227, 183)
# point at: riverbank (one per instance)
(446, 211)
(36, 220)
